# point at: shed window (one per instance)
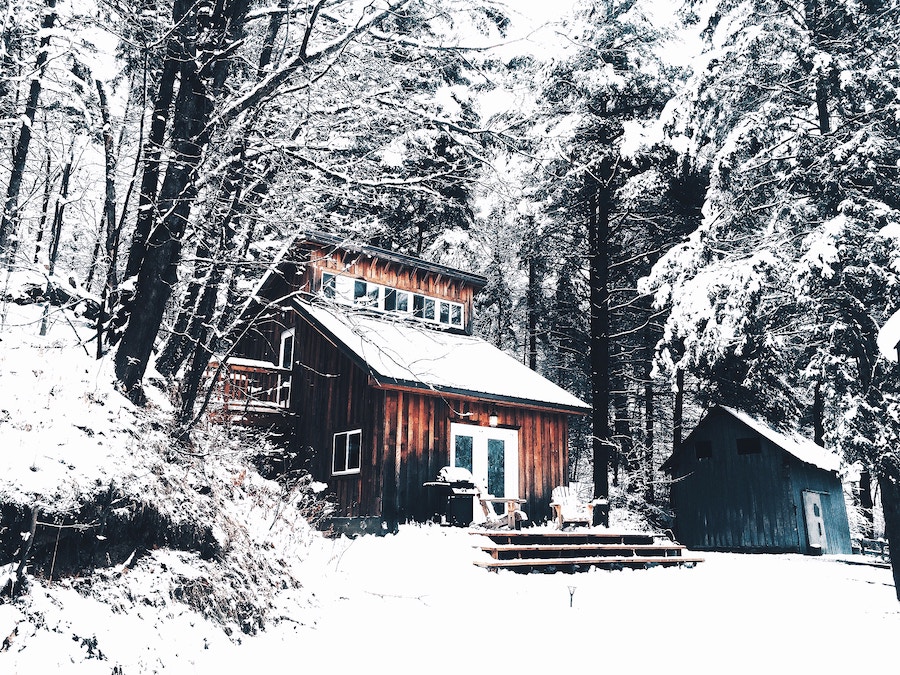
(703, 449)
(748, 446)
(346, 453)
(359, 292)
(463, 454)
(365, 293)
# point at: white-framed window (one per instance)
(286, 352)
(366, 294)
(286, 362)
(346, 452)
(329, 285)
(361, 293)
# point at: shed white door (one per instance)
(815, 521)
(492, 455)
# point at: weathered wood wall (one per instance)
(406, 436)
(420, 425)
(387, 273)
(330, 394)
(748, 502)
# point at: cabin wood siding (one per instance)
(405, 436)
(330, 395)
(749, 502)
(385, 273)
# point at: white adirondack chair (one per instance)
(569, 507)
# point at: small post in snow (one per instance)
(571, 594)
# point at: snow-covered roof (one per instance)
(399, 352)
(800, 447)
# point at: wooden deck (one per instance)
(524, 551)
(250, 392)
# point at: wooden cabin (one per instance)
(365, 360)
(740, 485)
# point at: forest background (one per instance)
(675, 204)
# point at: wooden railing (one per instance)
(251, 386)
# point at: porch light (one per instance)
(492, 417)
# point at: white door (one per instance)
(815, 521)
(491, 454)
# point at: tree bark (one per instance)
(10, 216)
(621, 453)
(598, 233)
(866, 503)
(45, 207)
(190, 135)
(56, 235)
(146, 214)
(678, 411)
(889, 482)
(531, 300)
(818, 415)
(813, 12)
(649, 415)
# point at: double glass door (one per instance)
(491, 454)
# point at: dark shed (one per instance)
(740, 485)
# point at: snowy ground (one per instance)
(414, 602)
(408, 603)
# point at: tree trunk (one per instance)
(153, 147)
(889, 482)
(598, 233)
(10, 216)
(177, 346)
(531, 301)
(56, 235)
(818, 415)
(45, 207)
(190, 135)
(621, 453)
(649, 415)
(867, 505)
(813, 13)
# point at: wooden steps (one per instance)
(525, 551)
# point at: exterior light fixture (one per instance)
(492, 417)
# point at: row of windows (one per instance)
(744, 446)
(363, 293)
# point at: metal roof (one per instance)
(403, 353)
(794, 444)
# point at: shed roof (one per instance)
(402, 353)
(794, 444)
